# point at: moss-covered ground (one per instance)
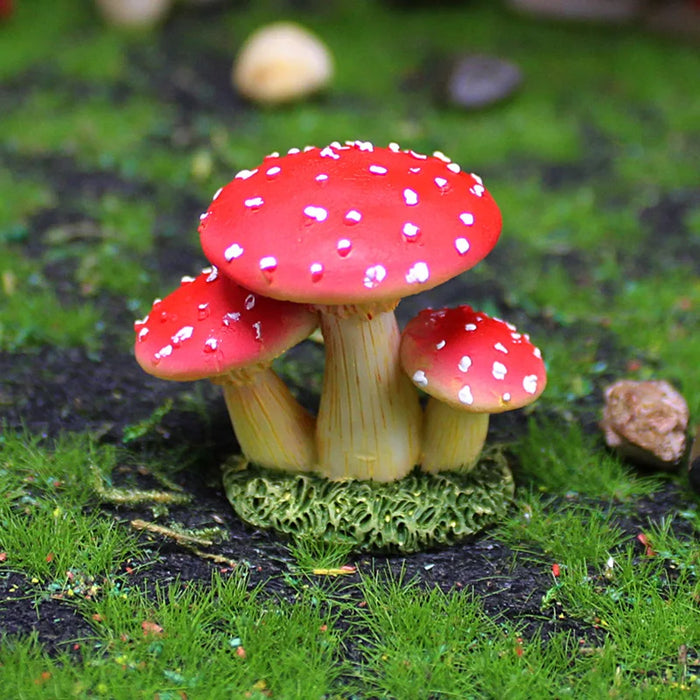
(112, 143)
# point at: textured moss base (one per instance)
(417, 512)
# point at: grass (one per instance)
(380, 635)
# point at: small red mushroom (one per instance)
(471, 365)
(352, 229)
(210, 327)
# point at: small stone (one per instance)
(586, 10)
(476, 81)
(134, 14)
(646, 422)
(282, 62)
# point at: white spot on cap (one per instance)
(477, 190)
(269, 262)
(441, 156)
(186, 279)
(506, 397)
(143, 333)
(213, 273)
(328, 152)
(217, 193)
(410, 230)
(166, 351)
(499, 370)
(530, 383)
(316, 270)
(254, 202)
(420, 378)
(393, 146)
(462, 245)
(293, 151)
(501, 348)
(185, 333)
(378, 169)
(232, 252)
(453, 167)
(318, 213)
(470, 327)
(362, 145)
(477, 178)
(418, 273)
(245, 174)
(274, 154)
(440, 345)
(249, 302)
(274, 170)
(415, 171)
(203, 216)
(466, 218)
(210, 344)
(537, 353)
(465, 395)
(410, 197)
(420, 156)
(374, 276)
(516, 336)
(343, 246)
(440, 182)
(231, 317)
(258, 330)
(321, 177)
(464, 363)
(353, 216)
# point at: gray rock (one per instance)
(476, 81)
(592, 10)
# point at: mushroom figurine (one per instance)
(471, 365)
(351, 229)
(210, 327)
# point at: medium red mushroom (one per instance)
(210, 327)
(471, 365)
(352, 229)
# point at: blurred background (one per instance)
(583, 118)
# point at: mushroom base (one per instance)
(417, 512)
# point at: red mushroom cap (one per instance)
(210, 325)
(473, 362)
(349, 224)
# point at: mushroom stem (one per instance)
(272, 428)
(369, 417)
(452, 439)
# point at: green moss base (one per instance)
(417, 512)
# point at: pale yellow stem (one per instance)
(369, 417)
(272, 428)
(452, 439)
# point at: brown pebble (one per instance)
(646, 422)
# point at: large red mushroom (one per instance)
(471, 366)
(352, 229)
(210, 327)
